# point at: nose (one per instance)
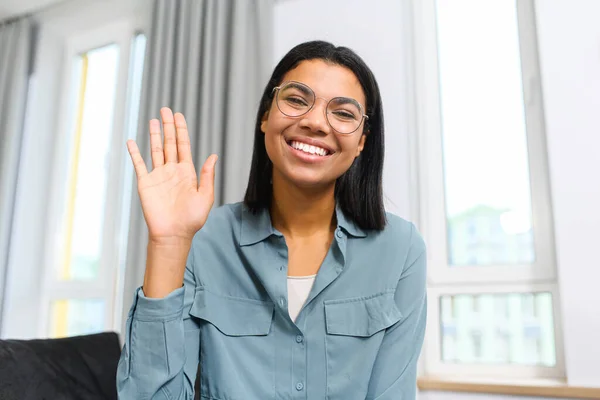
(316, 118)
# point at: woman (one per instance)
(307, 289)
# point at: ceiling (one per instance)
(12, 8)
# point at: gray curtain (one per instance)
(15, 65)
(210, 60)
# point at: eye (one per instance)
(296, 101)
(344, 115)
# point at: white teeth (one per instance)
(308, 148)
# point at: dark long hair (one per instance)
(358, 192)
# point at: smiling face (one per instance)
(305, 150)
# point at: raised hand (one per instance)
(174, 203)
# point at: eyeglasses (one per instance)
(344, 114)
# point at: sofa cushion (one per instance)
(78, 367)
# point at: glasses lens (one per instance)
(344, 114)
(295, 99)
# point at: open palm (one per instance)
(175, 205)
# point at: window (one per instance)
(81, 291)
(484, 209)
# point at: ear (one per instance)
(264, 122)
(361, 144)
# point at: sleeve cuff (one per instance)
(164, 309)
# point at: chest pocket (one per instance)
(355, 329)
(233, 316)
(236, 346)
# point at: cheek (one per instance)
(269, 142)
(276, 127)
(274, 123)
(273, 140)
(351, 146)
(272, 134)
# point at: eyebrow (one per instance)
(301, 88)
(347, 100)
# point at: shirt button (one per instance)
(339, 233)
(299, 338)
(282, 302)
(299, 386)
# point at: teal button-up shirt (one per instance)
(358, 335)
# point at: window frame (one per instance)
(433, 363)
(431, 212)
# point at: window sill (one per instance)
(541, 388)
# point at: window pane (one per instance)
(76, 317)
(516, 328)
(487, 192)
(92, 113)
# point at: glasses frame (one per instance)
(275, 92)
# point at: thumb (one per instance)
(207, 176)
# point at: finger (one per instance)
(207, 176)
(158, 157)
(169, 132)
(184, 149)
(138, 162)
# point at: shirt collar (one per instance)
(257, 227)
(347, 224)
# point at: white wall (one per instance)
(569, 39)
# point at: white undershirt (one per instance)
(298, 290)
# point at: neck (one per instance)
(298, 212)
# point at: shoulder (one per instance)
(402, 231)
(401, 238)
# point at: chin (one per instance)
(309, 181)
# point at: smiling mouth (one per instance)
(308, 149)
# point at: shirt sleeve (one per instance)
(161, 351)
(394, 375)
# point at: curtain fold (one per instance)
(15, 65)
(210, 60)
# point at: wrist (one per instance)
(170, 242)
